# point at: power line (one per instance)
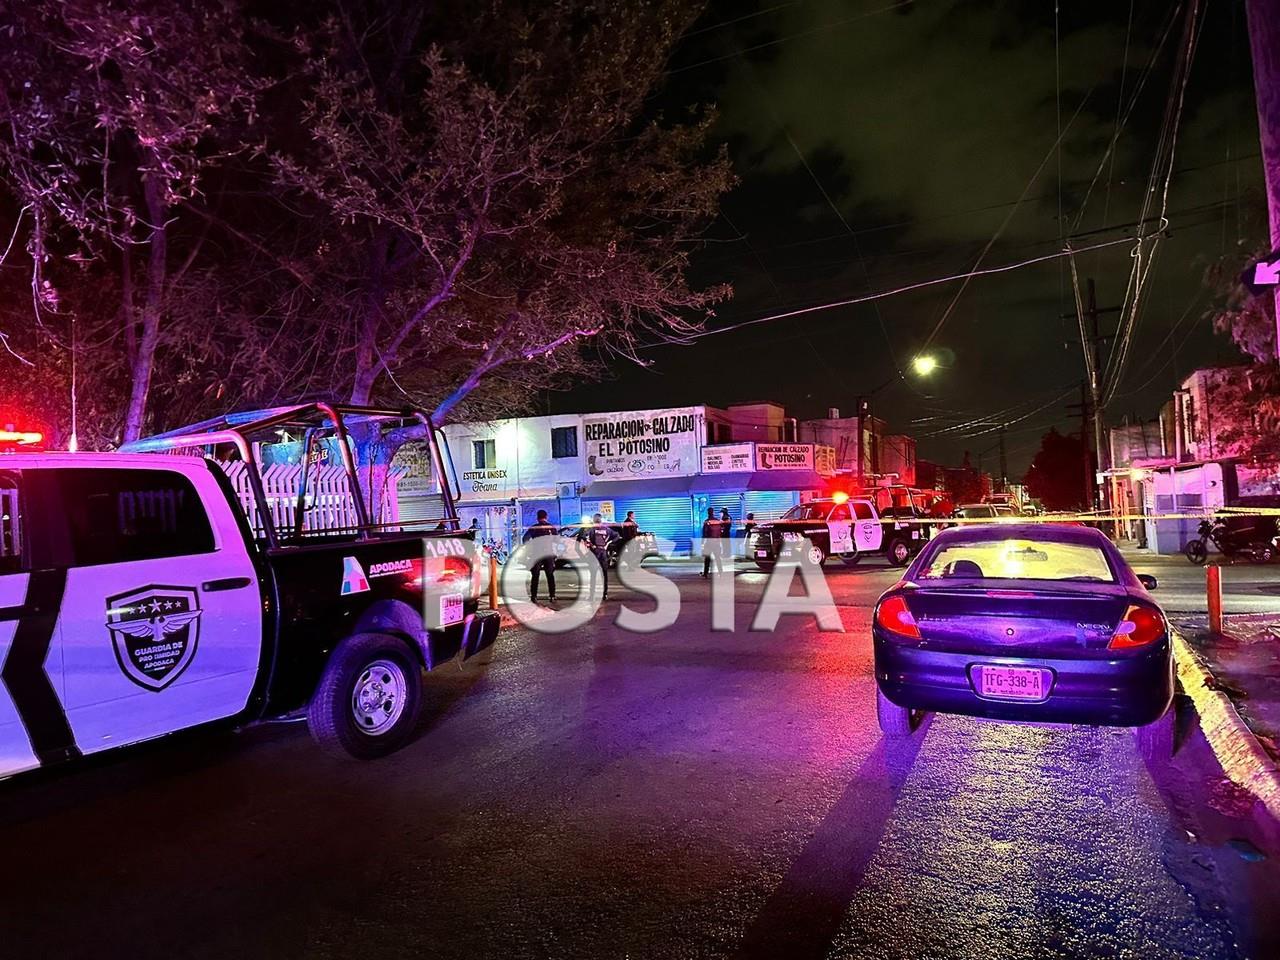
(795, 36)
(986, 271)
(747, 16)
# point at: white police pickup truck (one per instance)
(138, 598)
(840, 526)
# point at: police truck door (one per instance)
(32, 726)
(161, 623)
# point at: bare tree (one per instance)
(510, 211)
(108, 114)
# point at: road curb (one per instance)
(1239, 753)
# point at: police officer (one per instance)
(629, 527)
(541, 528)
(597, 537)
(713, 530)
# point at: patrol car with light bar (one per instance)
(850, 528)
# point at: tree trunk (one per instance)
(152, 307)
(1264, 44)
(369, 361)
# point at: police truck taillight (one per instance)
(1138, 627)
(894, 615)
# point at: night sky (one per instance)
(879, 145)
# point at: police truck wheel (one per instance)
(366, 704)
(898, 552)
(765, 565)
(895, 721)
(851, 558)
(816, 555)
(1197, 552)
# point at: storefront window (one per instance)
(564, 442)
(484, 454)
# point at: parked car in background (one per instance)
(648, 543)
(984, 511)
(1027, 622)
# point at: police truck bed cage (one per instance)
(245, 432)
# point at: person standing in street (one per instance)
(542, 527)
(713, 531)
(597, 537)
(629, 527)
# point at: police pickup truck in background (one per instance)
(838, 526)
(136, 599)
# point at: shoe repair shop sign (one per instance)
(645, 443)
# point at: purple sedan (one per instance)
(1024, 622)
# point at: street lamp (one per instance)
(924, 364)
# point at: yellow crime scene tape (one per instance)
(1084, 517)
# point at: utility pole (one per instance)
(1264, 46)
(1094, 435)
(1004, 464)
(1086, 421)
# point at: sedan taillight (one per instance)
(894, 615)
(1138, 627)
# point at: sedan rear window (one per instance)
(1018, 560)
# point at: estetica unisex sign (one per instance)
(655, 443)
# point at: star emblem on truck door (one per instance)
(154, 633)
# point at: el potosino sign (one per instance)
(784, 456)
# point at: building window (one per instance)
(564, 442)
(484, 454)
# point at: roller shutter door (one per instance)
(731, 501)
(769, 504)
(668, 518)
(415, 511)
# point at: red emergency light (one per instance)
(10, 438)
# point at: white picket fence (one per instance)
(329, 507)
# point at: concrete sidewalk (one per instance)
(1245, 663)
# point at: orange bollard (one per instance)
(493, 582)
(1213, 585)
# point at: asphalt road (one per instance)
(683, 794)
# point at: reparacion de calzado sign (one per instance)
(662, 442)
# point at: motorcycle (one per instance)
(1244, 539)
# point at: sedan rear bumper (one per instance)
(1125, 691)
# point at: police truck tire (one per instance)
(851, 558)
(367, 701)
(765, 565)
(898, 552)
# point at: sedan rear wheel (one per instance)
(1158, 740)
(895, 721)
